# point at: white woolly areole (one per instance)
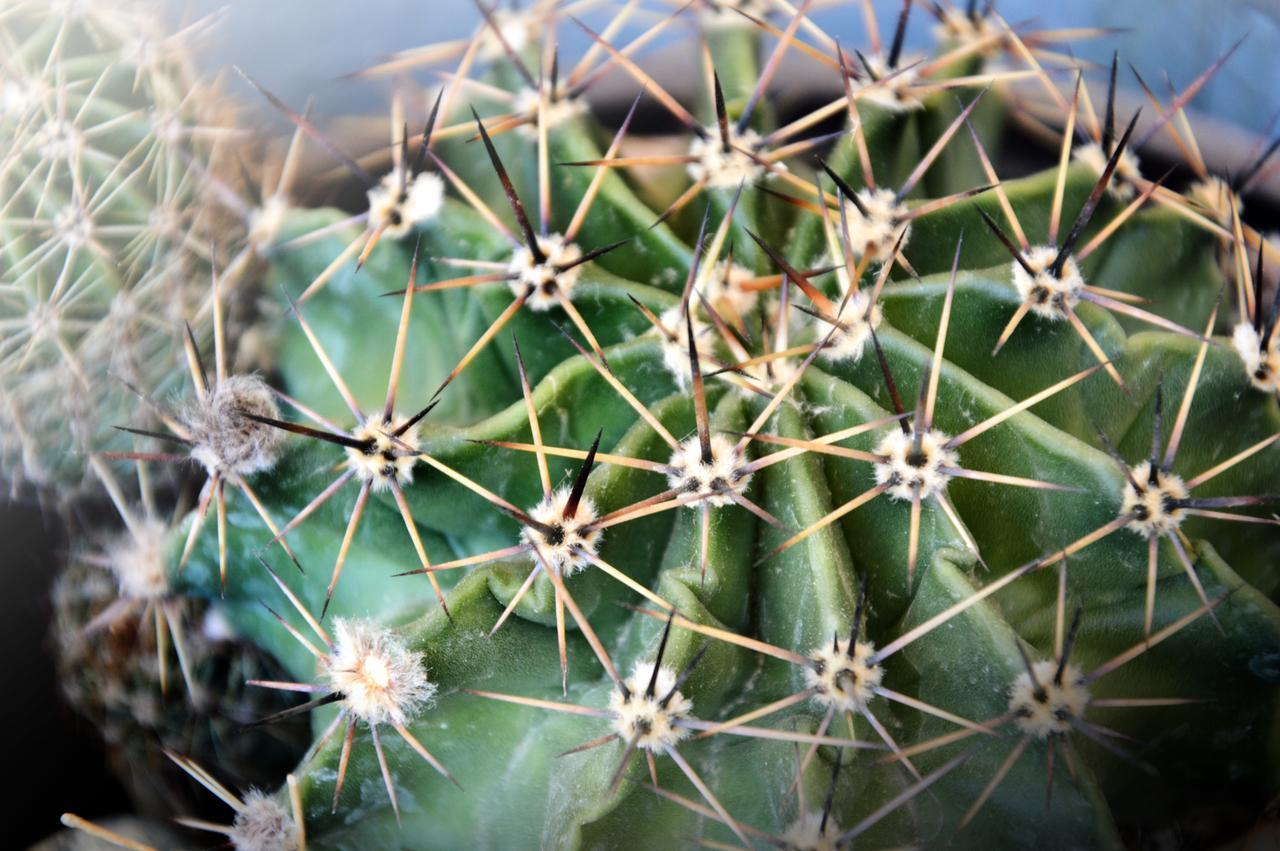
(559, 110)
(1046, 711)
(723, 288)
(73, 227)
(644, 719)
(807, 833)
(723, 169)
(137, 561)
(265, 222)
(559, 549)
(381, 680)
(263, 825)
(675, 349)
(723, 14)
(876, 233)
(716, 481)
(1263, 367)
(545, 278)
(223, 439)
(1151, 504)
(843, 682)
(384, 461)
(1123, 179)
(1046, 295)
(1214, 194)
(400, 210)
(906, 470)
(859, 318)
(894, 95)
(58, 139)
(18, 96)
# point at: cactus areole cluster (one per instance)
(769, 486)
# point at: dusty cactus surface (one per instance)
(806, 484)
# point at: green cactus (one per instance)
(750, 494)
(109, 227)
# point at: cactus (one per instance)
(733, 529)
(108, 232)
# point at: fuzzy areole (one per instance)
(560, 547)
(1152, 505)
(910, 471)
(716, 481)
(223, 439)
(851, 335)
(262, 824)
(811, 832)
(876, 233)
(726, 169)
(650, 720)
(400, 210)
(380, 679)
(1048, 295)
(841, 680)
(1047, 706)
(542, 280)
(1262, 366)
(384, 460)
(1127, 173)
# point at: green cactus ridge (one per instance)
(738, 532)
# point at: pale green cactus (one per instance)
(108, 229)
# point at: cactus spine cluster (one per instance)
(856, 496)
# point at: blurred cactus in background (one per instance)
(108, 233)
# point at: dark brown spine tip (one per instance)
(580, 483)
(508, 189)
(899, 34)
(1091, 203)
(889, 383)
(1067, 644)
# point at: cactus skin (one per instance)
(517, 792)
(97, 279)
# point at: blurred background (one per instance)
(301, 48)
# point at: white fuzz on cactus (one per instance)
(875, 233)
(844, 680)
(381, 680)
(915, 464)
(1151, 501)
(544, 278)
(716, 480)
(1127, 174)
(383, 459)
(1045, 294)
(563, 542)
(398, 210)
(1046, 705)
(649, 717)
(261, 824)
(225, 441)
(726, 168)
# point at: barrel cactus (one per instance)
(722, 523)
